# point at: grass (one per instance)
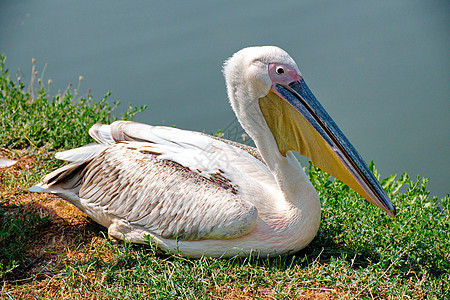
(50, 250)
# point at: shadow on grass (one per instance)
(33, 238)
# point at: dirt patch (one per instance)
(269, 293)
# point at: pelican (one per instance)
(199, 195)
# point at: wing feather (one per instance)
(164, 197)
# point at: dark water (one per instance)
(380, 68)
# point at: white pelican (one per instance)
(199, 195)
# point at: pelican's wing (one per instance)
(171, 182)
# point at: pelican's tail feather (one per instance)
(66, 181)
(69, 176)
(38, 189)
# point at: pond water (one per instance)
(380, 68)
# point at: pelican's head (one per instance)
(267, 90)
(247, 75)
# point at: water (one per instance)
(380, 68)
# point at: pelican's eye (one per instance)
(280, 71)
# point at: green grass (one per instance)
(359, 251)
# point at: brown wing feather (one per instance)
(166, 198)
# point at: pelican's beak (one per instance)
(298, 122)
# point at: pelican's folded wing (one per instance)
(130, 182)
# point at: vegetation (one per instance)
(48, 249)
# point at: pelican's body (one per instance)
(199, 195)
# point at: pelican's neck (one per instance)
(287, 171)
(298, 209)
